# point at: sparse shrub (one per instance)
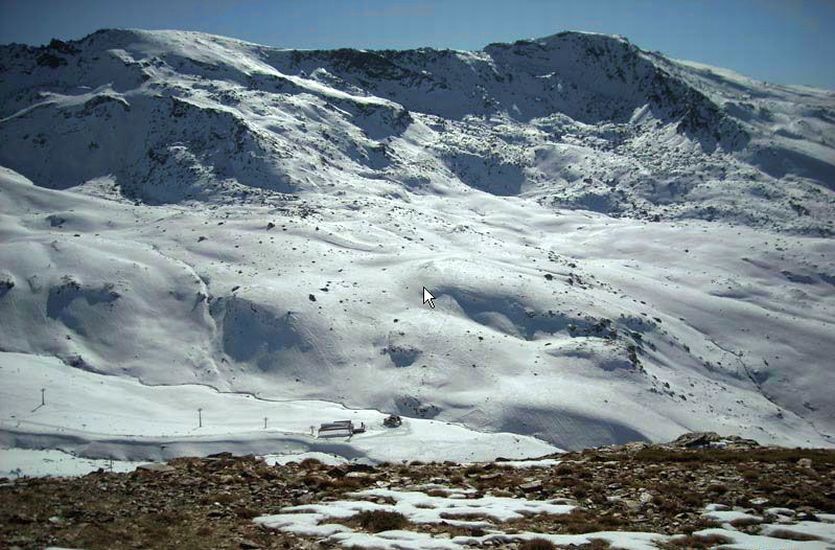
(745, 522)
(317, 482)
(580, 521)
(246, 512)
(669, 505)
(347, 483)
(310, 464)
(537, 544)
(749, 474)
(792, 535)
(580, 490)
(693, 542)
(598, 494)
(221, 498)
(713, 539)
(692, 499)
(717, 489)
(563, 470)
(473, 469)
(380, 520)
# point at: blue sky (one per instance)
(785, 41)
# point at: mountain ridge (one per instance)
(660, 110)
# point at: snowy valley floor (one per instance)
(637, 496)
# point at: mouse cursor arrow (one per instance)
(428, 298)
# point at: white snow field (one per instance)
(421, 508)
(622, 247)
(463, 509)
(90, 415)
(31, 462)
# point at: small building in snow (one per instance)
(340, 428)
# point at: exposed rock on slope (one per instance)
(573, 119)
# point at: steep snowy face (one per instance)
(575, 119)
(621, 246)
(141, 110)
(590, 78)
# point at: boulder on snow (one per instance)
(7, 282)
(393, 421)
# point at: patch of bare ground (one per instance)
(579, 521)
(375, 521)
(201, 503)
(537, 544)
(211, 502)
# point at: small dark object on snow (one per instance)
(380, 520)
(393, 421)
(339, 428)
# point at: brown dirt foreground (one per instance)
(210, 502)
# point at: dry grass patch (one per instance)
(787, 534)
(537, 544)
(695, 542)
(375, 521)
(745, 522)
(577, 522)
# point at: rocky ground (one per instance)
(211, 502)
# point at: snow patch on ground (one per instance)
(788, 532)
(488, 512)
(421, 508)
(99, 416)
(38, 463)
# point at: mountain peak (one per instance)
(582, 79)
(563, 38)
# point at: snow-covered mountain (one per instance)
(622, 246)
